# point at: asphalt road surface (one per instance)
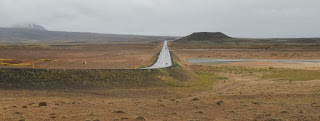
(164, 59)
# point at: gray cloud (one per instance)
(239, 18)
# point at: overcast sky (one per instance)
(237, 18)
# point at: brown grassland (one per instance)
(120, 55)
(57, 89)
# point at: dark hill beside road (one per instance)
(203, 36)
(218, 40)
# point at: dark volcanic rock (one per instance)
(42, 104)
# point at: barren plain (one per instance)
(187, 91)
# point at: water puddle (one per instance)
(220, 61)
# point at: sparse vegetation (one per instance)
(265, 73)
(12, 62)
(205, 80)
(292, 75)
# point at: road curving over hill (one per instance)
(164, 60)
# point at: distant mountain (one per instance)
(30, 26)
(204, 36)
(26, 34)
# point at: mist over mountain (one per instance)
(29, 26)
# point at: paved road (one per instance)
(164, 59)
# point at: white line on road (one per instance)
(164, 59)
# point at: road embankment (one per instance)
(87, 79)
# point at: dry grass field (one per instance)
(79, 55)
(217, 93)
(193, 92)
